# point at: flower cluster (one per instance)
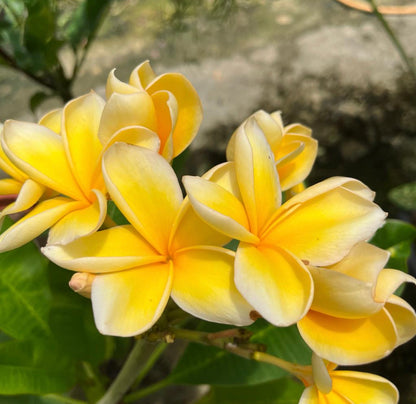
(302, 255)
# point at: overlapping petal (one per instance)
(203, 285)
(129, 302)
(274, 282)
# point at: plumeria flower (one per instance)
(173, 108)
(355, 318)
(330, 386)
(318, 226)
(166, 251)
(293, 147)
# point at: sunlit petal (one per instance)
(297, 128)
(331, 223)
(110, 250)
(404, 318)
(219, 208)
(9, 186)
(80, 122)
(39, 219)
(8, 167)
(146, 190)
(364, 388)
(138, 136)
(129, 302)
(225, 176)
(189, 107)
(349, 341)
(39, 152)
(388, 281)
(114, 85)
(52, 120)
(142, 75)
(310, 396)
(80, 222)
(123, 110)
(274, 282)
(203, 285)
(256, 175)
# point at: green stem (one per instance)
(133, 366)
(394, 39)
(146, 391)
(63, 399)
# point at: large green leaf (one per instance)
(396, 236)
(208, 365)
(25, 296)
(281, 391)
(34, 367)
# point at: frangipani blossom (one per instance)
(293, 147)
(317, 226)
(330, 386)
(174, 108)
(166, 251)
(355, 318)
(64, 162)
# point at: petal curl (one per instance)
(404, 318)
(130, 302)
(203, 285)
(110, 250)
(388, 281)
(52, 120)
(142, 75)
(274, 282)
(145, 188)
(114, 85)
(349, 341)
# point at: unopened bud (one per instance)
(81, 283)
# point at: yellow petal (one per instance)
(80, 222)
(184, 232)
(203, 285)
(225, 176)
(110, 250)
(321, 377)
(294, 170)
(218, 207)
(271, 129)
(349, 341)
(29, 194)
(256, 175)
(388, 281)
(404, 318)
(40, 153)
(114, 85)
(123, 110)
(297, 128)
(80, 121)
(138, 136)
(331, 223)
(8, 167)
(9, 186)
(39, 219)
(339, 295)
(146, 190)
(274, 282)
(364, 388)
(52, 120)
(166, 108)
(130, 302)
(189, 107)
(142, 75)
(310, 396)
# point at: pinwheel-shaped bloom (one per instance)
(355, 318)
(165, 251)
(330, 386)
(172, 107)
(317, 226)
(61, 153)
(293, 147)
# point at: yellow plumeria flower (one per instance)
(173, 106)
(317, 226)
(293, 147)
(355, 318)
(330, 386)
(166, 251)
(64, 163)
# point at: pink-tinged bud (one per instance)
(81, 283)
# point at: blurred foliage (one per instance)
(404, 196)
(33, 34)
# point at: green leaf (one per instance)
(396, 236)
(47, 399)
(404, 196)
(37, 99)
(115, 214)
(282, 391)
(208, 365)
(25, 296)
(34, 367)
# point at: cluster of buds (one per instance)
(302, 255)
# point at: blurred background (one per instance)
(327, 65)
